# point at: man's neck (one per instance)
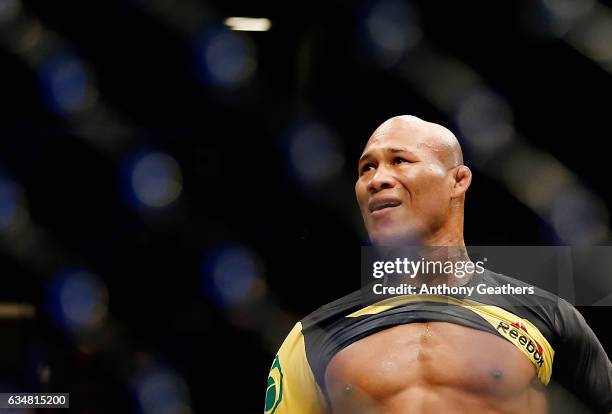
(446, 257)
(444, 237)
(436, 256)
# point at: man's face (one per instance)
(404, 185)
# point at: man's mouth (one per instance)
(383, 203)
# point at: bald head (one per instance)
(423, 135)
(412, 183)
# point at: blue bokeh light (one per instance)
(579, 217)
(229, 275)
(9, 203)
(224, 58)
(77, 300)
(314, 153)
(388, 29)
(151, 179)
(160, 390)
(65, 84)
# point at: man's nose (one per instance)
(381, 180)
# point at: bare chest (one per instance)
(432, 355)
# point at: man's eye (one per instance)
(399, 160)
(366, 168)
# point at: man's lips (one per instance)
(382, 203)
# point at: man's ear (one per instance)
(462, 179)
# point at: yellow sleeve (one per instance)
(292, 388)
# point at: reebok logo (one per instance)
(515, 331)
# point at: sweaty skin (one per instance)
(431, 368)
(411, 189)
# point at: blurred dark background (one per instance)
(175, 195)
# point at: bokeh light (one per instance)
(78, 300)
(389, 29)
(231, 275)
(565, 13)
(486, 122)
(314, 152)
(65, 85)
(160, 391)
(9, 203)
(579, 217)
(224, 58)
(597, 39)
(12, 211)
(248, 24)
(151, 179)
(301, 70)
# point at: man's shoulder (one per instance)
(335, 309)
(552, 307)
(539, 296)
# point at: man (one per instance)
(432, 354)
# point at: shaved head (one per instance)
(412, 183)
(426, 135)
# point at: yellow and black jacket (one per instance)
(549, 331)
